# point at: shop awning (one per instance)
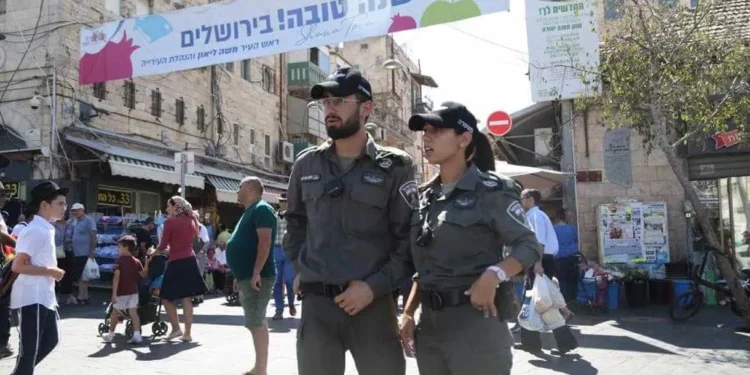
(226, 188)
(424, 80)
(227, 184)
(138, 164)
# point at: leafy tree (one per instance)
(678, 75)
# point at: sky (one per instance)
(480, 62)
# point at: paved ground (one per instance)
(626, 342)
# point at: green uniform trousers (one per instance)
(326, 332)
(461, 341)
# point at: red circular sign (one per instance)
(499, 123)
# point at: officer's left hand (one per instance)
(355, 298)
(482, 293)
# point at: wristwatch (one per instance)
(499, 272)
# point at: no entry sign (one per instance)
(499, 123)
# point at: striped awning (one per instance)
(138, 164)
(227, 188)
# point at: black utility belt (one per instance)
(438, 300)
(321, 289)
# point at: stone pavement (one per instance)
(625, 342)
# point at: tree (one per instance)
(678, 75)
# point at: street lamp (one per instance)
(392, 64)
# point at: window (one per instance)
(267, 79)
(100, 89)
(229, 67)
(252, 137)
(200, 121)
(267, 145)
(245, 72)
(315, 56)
(155, 103)
(236, 134)
(220, 125)
(129, 94)
(142, 8)
(179, 111)
(613, 9)
(113, 6)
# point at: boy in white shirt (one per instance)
(34, 289)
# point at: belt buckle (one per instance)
(436, 301)
(332, 290)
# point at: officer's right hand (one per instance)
(406, 332)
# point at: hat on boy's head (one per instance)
(45, 191)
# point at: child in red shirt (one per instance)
(128, 271)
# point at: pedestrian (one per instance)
(284, 268)
(223, 237)
(250, 260)
(6, 240)
(83, 235)
(567, 258)
(125, 284)
(18, 228)
(201, 242)
(34, 291)
(64, 260)
(465, 216)
(350, 203)
(545, 234)
(182, 280)
(143, 237)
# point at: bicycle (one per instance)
(687, 304)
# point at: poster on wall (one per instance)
(237, 30)
(634, 232)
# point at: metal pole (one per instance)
(183, 170)
(53, 107)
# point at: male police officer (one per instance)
(349, 206)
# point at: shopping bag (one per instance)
(553, 319)
(529, 318)
(90, 271)
(558, 300)
(540, 294)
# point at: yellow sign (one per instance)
(14, 187)
(112, 197)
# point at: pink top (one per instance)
(179, 232)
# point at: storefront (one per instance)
(720, 170)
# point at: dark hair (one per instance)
(127, 242)
(480, 152)
(533, 194)
(560, 214)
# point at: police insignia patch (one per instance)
(410, 192)
(490, 183)
(310, 178)
(385, 163)
(517, 213)
(465, 201)
(372, 178)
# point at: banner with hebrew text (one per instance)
(242, 29)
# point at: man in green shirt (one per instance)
(248, 256)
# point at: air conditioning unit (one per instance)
(380, 134)
(286, 152)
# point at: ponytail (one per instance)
(480, 153)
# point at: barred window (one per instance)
(156, 103)
(100, 89)
(200, 120)
(129, 94)
(179, 111)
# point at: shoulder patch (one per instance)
(517, 213)
(410, 193)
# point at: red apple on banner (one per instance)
(112, 62)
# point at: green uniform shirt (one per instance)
(469, 226)
(242, 247)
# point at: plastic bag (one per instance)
(540, 294)
(553, 319)
(558, 300)
(90, 271)
(529, 318)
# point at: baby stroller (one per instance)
(149, 303)
(230, 291)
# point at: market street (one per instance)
(616, 344)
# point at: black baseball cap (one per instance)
(343, 82)
(45, 191)
(448, 115)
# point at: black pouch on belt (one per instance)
(505, 301)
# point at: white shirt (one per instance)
(38, 242)
(203, 234)
(3, 226)
(19, 228)
(221, 256)
(545, 232)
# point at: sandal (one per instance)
(174, 335)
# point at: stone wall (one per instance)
(653, 181)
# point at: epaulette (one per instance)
(389, 157)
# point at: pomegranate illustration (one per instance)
(112, 62)
(401, 23)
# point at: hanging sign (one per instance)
(242, 29)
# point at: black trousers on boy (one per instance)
(38, 337)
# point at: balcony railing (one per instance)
(304, 74)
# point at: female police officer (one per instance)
(465, 217)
